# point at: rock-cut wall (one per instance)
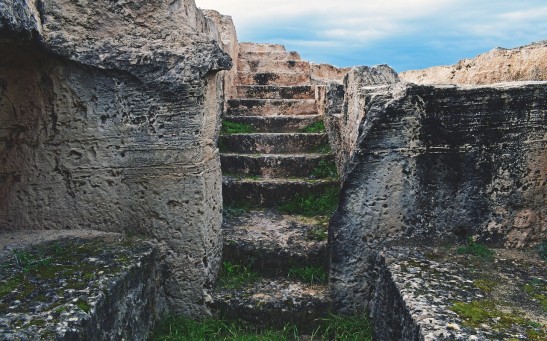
(109, 116)
(432, 165)
(524, 63)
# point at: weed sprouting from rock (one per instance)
(476, 249)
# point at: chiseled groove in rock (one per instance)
(276, 124)
(273, 143)
(270, 192)
(273, 165)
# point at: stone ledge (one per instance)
(428, 294)
(75, 288)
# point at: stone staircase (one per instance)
(267, 168)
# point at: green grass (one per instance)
(308, 274)
(236, 275)
(347, 328)
(232, 210)
(537, 289)
(323, 149)
(476, 313)
(542, 250)
(476, 249)
(316, 127)
(229, 128)
(178, 328)
(324, 169)
(318, 233)
(313, 204)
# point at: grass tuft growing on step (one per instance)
(324, 169)
(236, 275)
(308, 274)
(325, 148)
(178, 328)
(313, 204)
(316, 127)
(230, 211)
(229, 128)
(476, 249)
(349, 328)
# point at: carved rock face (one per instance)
(110, 114)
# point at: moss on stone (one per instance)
(485, 284)
(476, 313)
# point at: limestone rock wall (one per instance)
(525, 63)
(434, 164)
(109, 116)
(230, 45)
(344, 108)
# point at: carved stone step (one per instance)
(276, 124)
(277, 66)
(274, 165)
(269, 303)
(274, 143)
(271, 243)
(271, 107)
(260, 47)
(270, 55)
(272, 78)
(270, 192)
(276, 92)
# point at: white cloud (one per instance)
(341, 31)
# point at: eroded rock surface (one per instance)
(439, 164)
(109, 117)
(525, 63)
(101, 288)
(426, 293)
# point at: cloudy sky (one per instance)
(406, 34)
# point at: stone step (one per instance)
(274, 165)
(273, 244)
(271, 107)
(263, 192)
(276, 92)
(274, 143)
(276, 124)
(274, 303)
(270, 55)
(260, 47)
(272, 78)
(276, 66)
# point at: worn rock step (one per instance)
(271, 107)
(270, 192)
(274, 143)
(277, 66)
(276, 92)
(273, 165)
(269, 55)
(276, 124)
(271, 243)
(272, 78)
(260, 47)
(269, 303)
